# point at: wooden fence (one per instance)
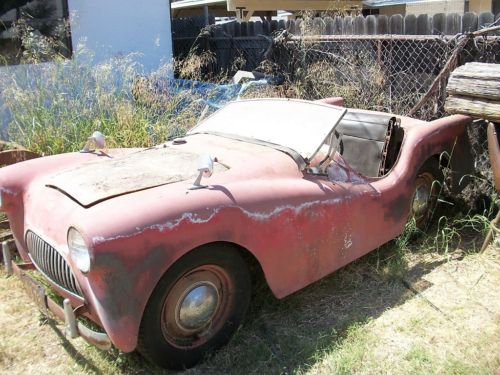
(423, 24)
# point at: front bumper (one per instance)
(66, 313)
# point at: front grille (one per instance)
(51, 263)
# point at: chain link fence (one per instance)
(389, 73)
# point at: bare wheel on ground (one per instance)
(428, 185)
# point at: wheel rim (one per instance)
(422, 197)
(197, 306)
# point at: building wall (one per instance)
(479, 6)
(119, 27)
(429, 7)
(393, 9)
(433, 7)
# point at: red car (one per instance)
(158, 246)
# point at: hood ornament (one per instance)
(205, 169)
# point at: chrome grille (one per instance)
(51, 263)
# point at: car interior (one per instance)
(368, 141)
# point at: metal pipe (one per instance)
(7, 257)
(70, 319)
(206, 15)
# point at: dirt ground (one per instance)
(442, 316)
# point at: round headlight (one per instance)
(78, 250)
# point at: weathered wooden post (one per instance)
(474, 89)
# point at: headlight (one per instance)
(78, 250)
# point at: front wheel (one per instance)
(427, 188)
(196, 307)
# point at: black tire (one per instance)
(177, 335)
(427, 187)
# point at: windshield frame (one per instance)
(301, 161)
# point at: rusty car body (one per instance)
(166, 268)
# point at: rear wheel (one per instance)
(427, 188)
(196, 307)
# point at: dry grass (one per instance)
(439, 315)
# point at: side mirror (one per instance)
(205, 169)
(97, 140)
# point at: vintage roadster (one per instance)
(158, 246)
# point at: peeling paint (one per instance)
(7, 191)
(197, 219)
(347, 241)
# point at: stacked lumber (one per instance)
(474, 89)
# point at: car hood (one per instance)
(93, 182)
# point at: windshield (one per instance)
(300, 126)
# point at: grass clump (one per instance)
(54, 107)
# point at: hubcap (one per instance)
(198, 306)
(421, 200)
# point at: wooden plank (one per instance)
(338, 24)
(410, 25)
(219, 32)
(372, 37)
(251, 28)
(469, 22)
(258, 28)
(267, 27)
(396, 24)
(348, 27)
(453, 24)
(274, 26)
(481, 88)
(318, 26)
(382, 24)
(423, 25)
(485, 19)
(231, 27)
(478, 80)
(225, 28)
(476, 69)
(298, 27)
(244, 28)
(237, 29)
(371, 25)
(439, 24)
(329, 26)
(485, 109)
(359, 25)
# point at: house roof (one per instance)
(184, 4)
(385, 3)
(265, 4)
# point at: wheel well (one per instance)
(254, 267)
(443, 159)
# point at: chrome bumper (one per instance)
(37, 293)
